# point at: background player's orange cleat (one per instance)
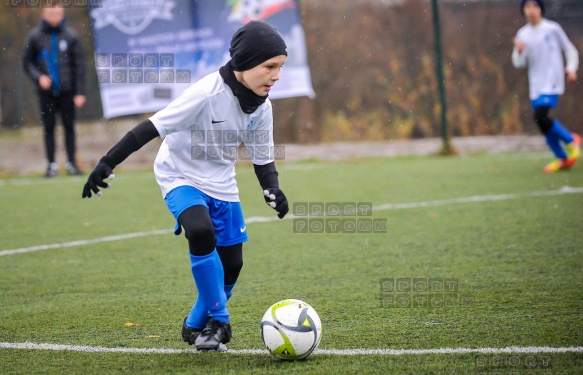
(555, 166)
(573, 150)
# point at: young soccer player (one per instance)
(539, 46)
(194, 167)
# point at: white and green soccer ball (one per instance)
(291, 329)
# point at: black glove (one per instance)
(102, 171)
(276, 199)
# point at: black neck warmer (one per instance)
(248, 100)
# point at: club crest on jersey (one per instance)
(62, 45)
(130, 16)
(251, 124)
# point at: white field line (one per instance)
(479, 198)
(395, 352)
(83, 242)
(255, 219)
(258, 219)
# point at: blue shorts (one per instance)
(545, 101)
(227, 217)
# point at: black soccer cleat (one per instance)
(189, 335)
(213, 335)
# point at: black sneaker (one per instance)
(189, 335)
(72, 170)
(213, 335)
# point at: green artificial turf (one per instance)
(513, 254)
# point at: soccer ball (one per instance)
(291, 329)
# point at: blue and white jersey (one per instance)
(201, 130)
(543, 56)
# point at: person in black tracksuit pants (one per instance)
(54, 60)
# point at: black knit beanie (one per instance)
(540, 3)
(254, 43)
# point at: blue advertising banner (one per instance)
(148, 51)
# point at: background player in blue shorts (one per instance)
(195, 168)
(539, 46)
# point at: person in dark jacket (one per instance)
(54, 60)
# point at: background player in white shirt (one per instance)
(539, 46)
(201, 130)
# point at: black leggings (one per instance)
(544, 122)
(49, 106)
(199, 231)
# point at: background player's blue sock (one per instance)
(559, 132)
(555, 145)
(555, 135)
(209, 277)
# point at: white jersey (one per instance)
(543, 55)
(201, 130)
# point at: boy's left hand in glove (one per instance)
(276, 199)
